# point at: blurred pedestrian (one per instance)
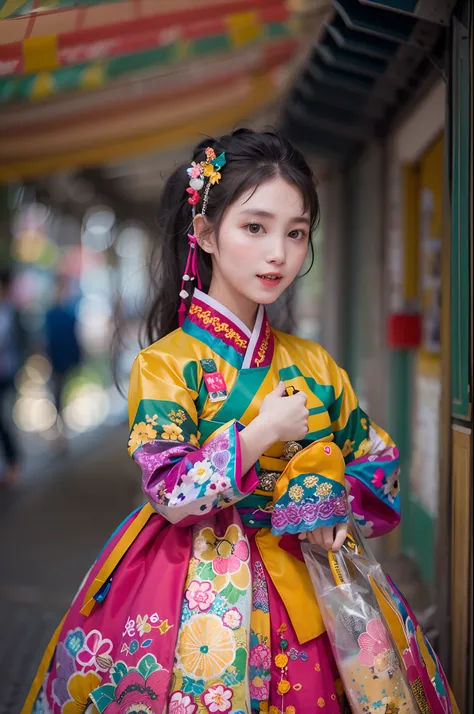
(11, 351)
(62, 344)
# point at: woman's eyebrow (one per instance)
(260, 213)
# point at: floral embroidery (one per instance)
(392, 487)
(324, 489)
(201, 471)
(348, 447)
(185, 491)
(217, 699)
(326, 505)
(378, 478)
(200, 595)
(198, 315)
(95, 654)
(259, 689)
(321, 703)
(206, 649)
(194, 440)
(143, 625)
(229, 556)
(219, 485)
(296, 493)
(172, 432)
(260, 657)
(181, 703)
(232, 618)
(365, 448)
(375, 650)
(178, 417)
(142, 688)
(141, 433)
(79, 689)
(259, 669)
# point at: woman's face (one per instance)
(263, 243)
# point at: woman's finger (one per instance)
(328, 536)
(341, 534)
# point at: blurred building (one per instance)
(100, 99)
(385, 101)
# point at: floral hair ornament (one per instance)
(202, 176)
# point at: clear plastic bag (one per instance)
(367, 659)
(385, 663)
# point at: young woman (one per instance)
(249, 440)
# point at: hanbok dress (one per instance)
(201, 600)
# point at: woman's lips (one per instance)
(270, 281)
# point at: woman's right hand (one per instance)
(286, 416)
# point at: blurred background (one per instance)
(99, 100)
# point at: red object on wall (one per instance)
(404, 331)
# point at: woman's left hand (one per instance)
(328, 537)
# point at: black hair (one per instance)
(252, 157)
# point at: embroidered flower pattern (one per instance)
(324, 489)
(259, 689)
(296, 493)
(327, 503)
(311, 481)
(205, 648)
(232, 618)
(378, 478)
(260, 656)
(79, 688)
(136, 692)
(373, 643)
(141, 433)
(365, 448)
(143, 626)
(200, 595)
(194, 439)
(229, 556)
(201, 472)
(392, 487)
(217, 699)
(181, 703)
(95, 652)
(172, 432)
(178, 417)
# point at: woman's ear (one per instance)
(204, 234)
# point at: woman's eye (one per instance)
(254, 228)
(296, 235)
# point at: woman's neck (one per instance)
(238, 304)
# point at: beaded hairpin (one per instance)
(202, 175)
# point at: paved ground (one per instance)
(50, 533)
